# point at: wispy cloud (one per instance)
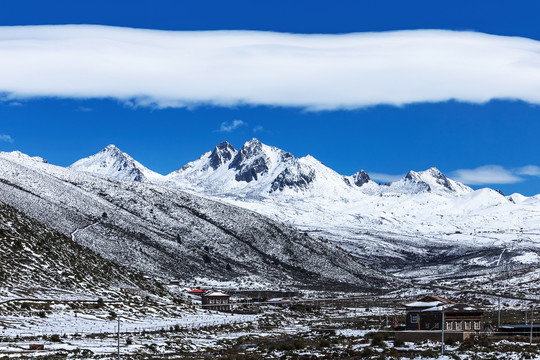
(227, 126)
(385, 177)
(530, 170)
(487, 174)
(6, 138)
(84, 109)
(229, 68)
(258, 128)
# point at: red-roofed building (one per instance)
(199, 292)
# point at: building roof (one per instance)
(519, 326)
(463, 308)
(215, 293)
(428, 302)
(196, 291)
(455, 308)
(436, 298)
(422, 304)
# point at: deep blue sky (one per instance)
(381, 139)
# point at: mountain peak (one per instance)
(113, 162)
(360, 178)
(433, 179)
(221, 154)
(253, 142)
(250, 161)
(111, 147)
(113, 150)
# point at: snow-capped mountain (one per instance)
(169, 233)
(431, 180)
(422, 219)
(113, 162)
(419, 219)
(258, 170)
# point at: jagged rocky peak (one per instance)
(221, 154)
(360, 178)
(297, 177)
(250, 161)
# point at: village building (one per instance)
(426, 317)
(416, 316)
(216, 300)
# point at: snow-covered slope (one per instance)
(112, 162)
(169, 233)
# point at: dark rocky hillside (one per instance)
(36, 257)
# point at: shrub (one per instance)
(324, 343)
(430, 353)
(399, 343)
(100, 303)
(378, 340)
(367, 352)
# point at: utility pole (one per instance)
(118, 354)
(532, 321)
(442, 330)
(499, 314)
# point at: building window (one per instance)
(427, 325)
(436, 325)
(459, 325)
(414, 318)
(448, 325)
(477, 325)
(467, 325)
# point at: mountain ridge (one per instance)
(275, 170)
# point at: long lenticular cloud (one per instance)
(228, 68)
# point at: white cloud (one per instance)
(6, 138)
(385, 177)
(258, 128)
(487, 174)
(227, 126)
(228, 68)
(530, 170)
